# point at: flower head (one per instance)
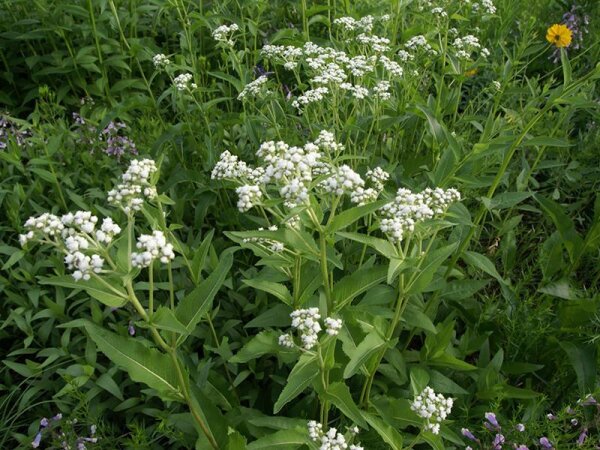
(559, 35)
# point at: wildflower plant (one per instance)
(105, 258)
(313, 204)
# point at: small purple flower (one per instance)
(466, 433)
(582, 437)
(520, 427)
(131, 329)
(37, 440)
(550, 416)
(545, 442)
(491, 418)
(522, 447)
(57, 417)
(44, 422)
(589, 401)
(570, 410)
(498, 441)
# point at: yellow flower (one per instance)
(559, 35)
(471, 73)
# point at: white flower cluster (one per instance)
(382, 90)
(310, 96)
(292, 170)
(440, 12)
(183, 82)
(364, 24)
(329, 69)
(332, 440)
(289, 55)
(333, 326)
(82, 265)
(136, 184)
(468, 44)
(409, 208)
(224, 34)
(378, 44)
(432, 407)
(153, 246)
(487, 6)
(160, 61)
(306, 322)
(254, 88)
(73, 233)
(378, 177)
(248, 196)
(274, 246)
(419, 43)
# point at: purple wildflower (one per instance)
(491, 418)
(10, 132)
(522, 447)
(37, 440)
(44, 422)
(545, 442)
(57, 417)
(520, 427)
(116, 144)
(582, 437)
(550, 416)
(131, 329)
(466, 433)
(498, 441)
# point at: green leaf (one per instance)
(431, 264)
(387, 432)
(349, 216)
(505, 200)
(339, 394)
(301, 376)
(164, 319)
(236, 441)
(483, 263)
(143, 364)
(351, 286)
(265, 342)
(583, 360)
(413, 317)
(380, 245)
(93, 287)
(546, 141)
(275, 289)
(296, 240)
(283, 439)
(371, 344)
(197, 303)
(570, 238)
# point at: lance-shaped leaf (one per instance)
(197, 303)
(275, 289)
(339, 394)
(357, 283)
(387, 432)
(301, 376)
(143, 364)
(371, 344)
(349, 216)
(115, 298)
(283, 440)
(431, 264)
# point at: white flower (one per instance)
(345, 180)
(224, 34)
(286, 340)
(439, 12)
(160, 61)
(153, 246)
(82, 265)
(315, 430)
(183, 82)
(378, 177)
(310, 96)
(306, 321)
(408, 208)
(107, 231)
(229, 167)
(382, 90)
(248, 196)
(333, 326)
(432, 407)
(254, 88)
(420, 43)
(135, 186)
